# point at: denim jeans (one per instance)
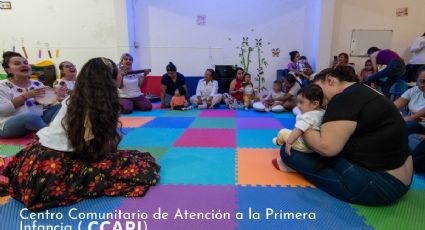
(417, 147)
(392, 72)
(345, 180)
(23, 123)
(168, 98)
(415, 127)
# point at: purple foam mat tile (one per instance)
(258, 123)
(176, 200)
(294, 208)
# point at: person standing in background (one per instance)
(417, 59)
(418, 51)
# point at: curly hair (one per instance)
(6, 59)
(95, 97)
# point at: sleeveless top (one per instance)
(238, 96)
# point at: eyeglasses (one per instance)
(69, 66)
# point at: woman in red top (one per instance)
(235, 89)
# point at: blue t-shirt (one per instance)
(171, 85)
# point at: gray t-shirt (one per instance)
(416, 100)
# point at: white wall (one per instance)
(377, 14)
(167, 31)
(81, 29)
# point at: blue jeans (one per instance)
(345, 180)
(23, 123)
(394, 70)
(415, 127)
(417, 147)
(168, 98)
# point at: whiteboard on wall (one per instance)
(362, 40)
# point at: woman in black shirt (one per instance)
(362, 153)
(171, 81)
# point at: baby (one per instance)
(248, 92)
(271, 99)
(178, 101)
(310, 101)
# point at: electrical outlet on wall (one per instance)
(5, 5)
(136, 44)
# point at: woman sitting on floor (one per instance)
(294, 56)
(366, 72)
(19, 112)
(414, 99)
(67, 81)
(360, 153)
(130, 95)
(76, 156)
(207, 95)
(235, 95)
(171, 81)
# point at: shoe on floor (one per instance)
(281, 166)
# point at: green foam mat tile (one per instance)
(178, 113)
(213, 122)
(408, 213)
(156, 152)
(10, 150)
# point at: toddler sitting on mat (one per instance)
(310, 101)
(178, 101)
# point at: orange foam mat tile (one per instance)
(134, 122)
(4, 199)
(254, 167)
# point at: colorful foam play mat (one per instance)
(216, 173)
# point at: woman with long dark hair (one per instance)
(76, 156)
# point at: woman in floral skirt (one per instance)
(76, 156)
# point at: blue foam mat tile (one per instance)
(288, 122)
(152, 113)
(256, 138)
(10, 213)
(126, 131)
(214, 166)
(169, 122)
(418, 182)
(284, 115)
(151, 137)
(283, 203)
